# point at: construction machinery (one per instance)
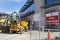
(4, 22)
(17, 25)
(12, 24)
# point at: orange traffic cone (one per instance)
(49, 36)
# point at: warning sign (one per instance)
(52, 18)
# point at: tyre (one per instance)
(3, 31)
(26, 29)
(22, 31)
(11, 32)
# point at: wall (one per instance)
(41, 22)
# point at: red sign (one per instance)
(51, 19)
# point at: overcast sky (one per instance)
(9, 6)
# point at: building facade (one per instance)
(42, 8)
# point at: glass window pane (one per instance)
(49, 1)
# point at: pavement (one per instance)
(4, 36)
(33, 35)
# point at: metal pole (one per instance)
(39, 30)
(30, 30)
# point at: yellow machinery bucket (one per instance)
(23, 23)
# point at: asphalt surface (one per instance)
(34, 35)
(6, 36)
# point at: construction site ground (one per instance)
(33, 35)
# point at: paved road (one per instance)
(4, 36)
(26, 36)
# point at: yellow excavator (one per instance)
(17, 25)
(12, 24)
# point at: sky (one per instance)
(9, 6)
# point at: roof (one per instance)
(27, 14)
(27, 5)
(3, 13)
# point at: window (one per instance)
(31, 8)
(48, 1)
(56, 0)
